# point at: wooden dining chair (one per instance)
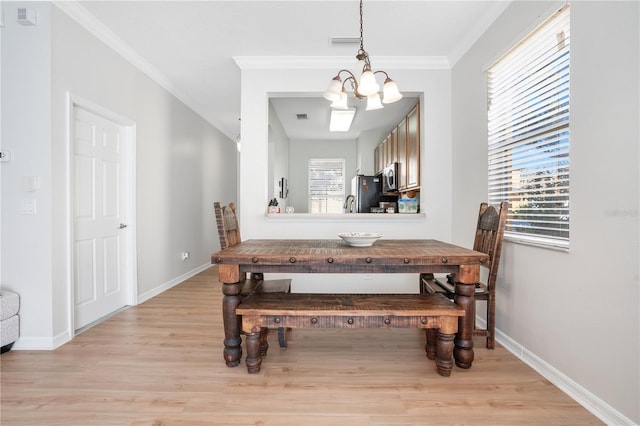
(229, 234)
(488, 239)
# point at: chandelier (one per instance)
(366, 87)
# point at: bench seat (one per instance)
(320, 310)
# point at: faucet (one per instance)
(349, 204)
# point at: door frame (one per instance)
(129, 208)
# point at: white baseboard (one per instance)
(582, 396)
(34, 343)
(31, 343)
(166, 286)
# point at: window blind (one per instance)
(326, 185)
(528, 134)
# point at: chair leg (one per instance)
(425, 276)
(282, 339)
(491, 321)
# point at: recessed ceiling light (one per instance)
(341, 119)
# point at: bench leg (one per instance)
(430, 346)
(444, 360)
(254, 357)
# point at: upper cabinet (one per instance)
(402, 145)
(402, 154)
(413, 149)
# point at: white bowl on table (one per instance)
(359, 239)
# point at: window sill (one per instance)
(539, 244)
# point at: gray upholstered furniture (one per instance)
(9, 319)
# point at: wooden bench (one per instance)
(258, 285)
(304, 310)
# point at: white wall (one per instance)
(258, 83)
(278, 157)
(183, 165)
(576, 311)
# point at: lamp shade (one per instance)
(368, 85)
(390, 92)
(334, 90)
(373, 102)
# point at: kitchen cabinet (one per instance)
(413, 149)
(378, 159)
(402, 154)
(393, 147)
(402, 145)
(386, 152)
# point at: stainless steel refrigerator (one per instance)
(367, 191)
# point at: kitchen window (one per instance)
(529, 134)
(326, 185)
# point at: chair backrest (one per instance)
(227, 223)
(489, 236)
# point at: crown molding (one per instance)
(332, 62)
(89, 22)
(104, 34)
(474, 33)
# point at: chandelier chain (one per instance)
(361, 31)
(362, 54)
(366, 87)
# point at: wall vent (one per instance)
(340, 41)
(26, 16)
(301, 116)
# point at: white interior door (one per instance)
(99, 219)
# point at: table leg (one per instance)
(465, 297)
(232, 323)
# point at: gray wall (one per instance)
(577, 311)
(565, 317)
(183, 165)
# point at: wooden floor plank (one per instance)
(160, 363)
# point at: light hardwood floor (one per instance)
(160, 363)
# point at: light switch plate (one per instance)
(30, 183)
(28, 206)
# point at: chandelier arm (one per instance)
(348, 72)
(354, 86)
(382, 72)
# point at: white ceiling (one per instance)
(188, 46)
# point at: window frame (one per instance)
(331, 201)
(528, 134)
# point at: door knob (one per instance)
(122, 226)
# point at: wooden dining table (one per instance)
(385, 256)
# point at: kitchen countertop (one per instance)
(315, 217)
